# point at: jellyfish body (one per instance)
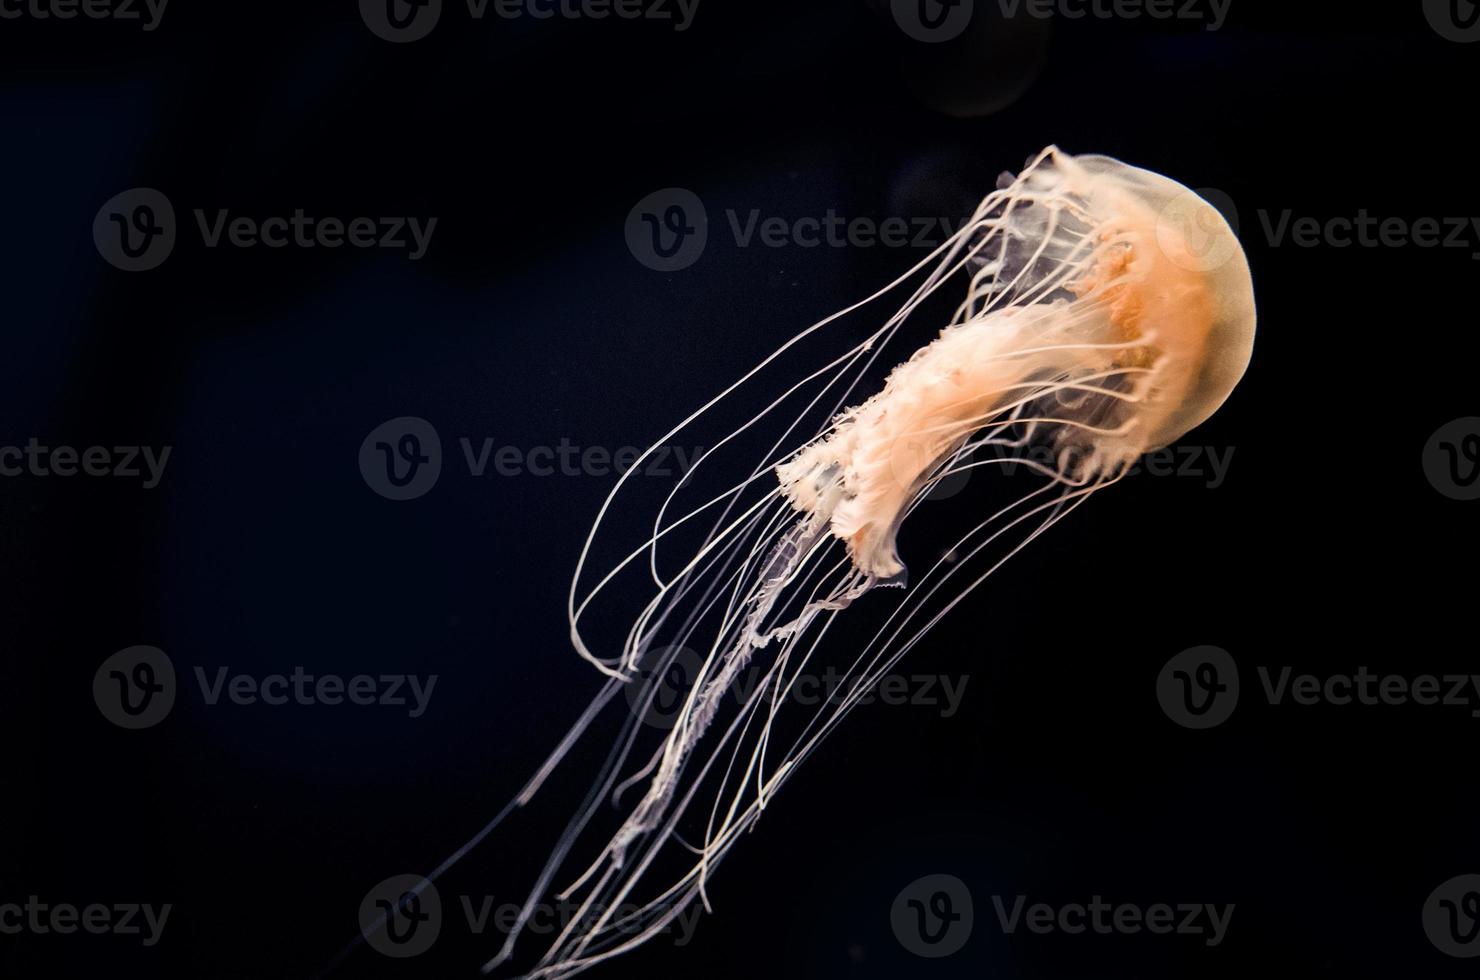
(1107, 291)
(1108, 310)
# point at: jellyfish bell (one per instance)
(1139, 336)
(1107, 311)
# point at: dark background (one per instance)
(529, 321)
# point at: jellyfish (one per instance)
(1107, 311)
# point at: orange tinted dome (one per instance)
(1196, 237)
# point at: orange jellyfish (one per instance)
(1107, 311)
